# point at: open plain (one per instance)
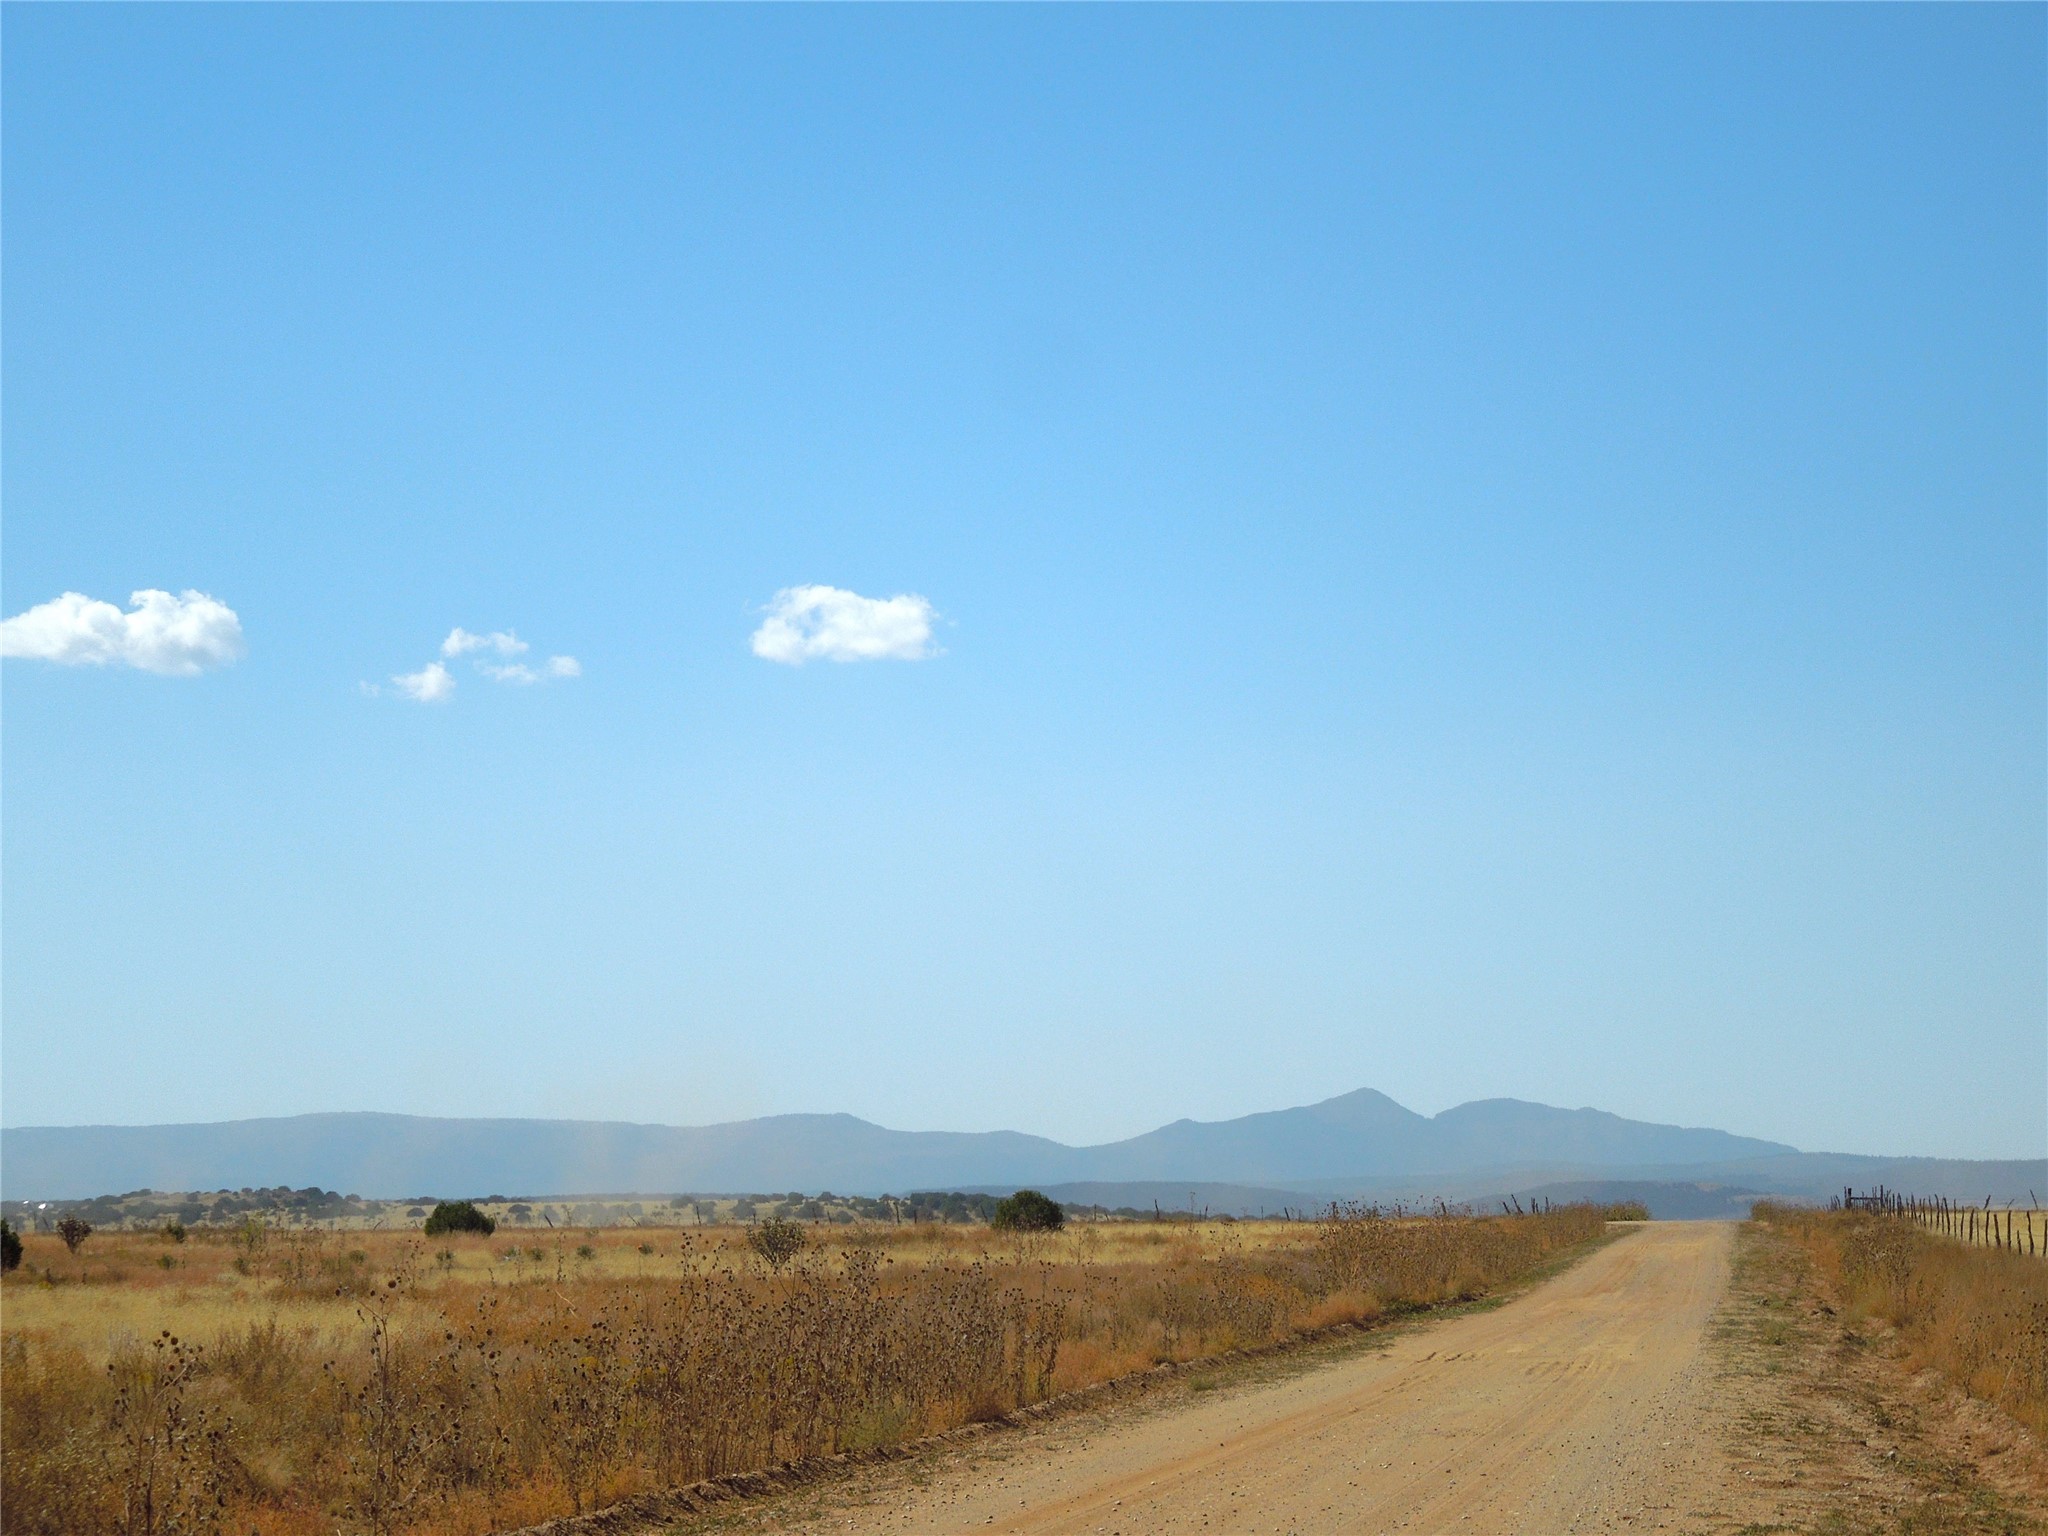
(1575, 1405)
(1537, 1373)
(1687, 1377)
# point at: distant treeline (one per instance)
(149, 1209)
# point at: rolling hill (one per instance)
(1357, 1145)
(1359, 1140)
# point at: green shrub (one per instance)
(1028, 1211)
(1627, 1210)
(10, 1246)
(459, 1216)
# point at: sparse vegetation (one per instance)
(1836, 1425)
(337, 1383)
(1976, 1313)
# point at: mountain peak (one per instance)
(1360, 1134)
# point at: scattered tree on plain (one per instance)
(1028, 1211)
(459, 1216)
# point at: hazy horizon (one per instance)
(1017, 1127)
(1052, 570)
(1026, 1130)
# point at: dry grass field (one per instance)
(1974, 1312)
(2009, 1227)
(302, 1381)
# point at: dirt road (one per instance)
(1576, 1407)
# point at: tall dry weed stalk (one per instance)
(166, 1454)
(458, 1406)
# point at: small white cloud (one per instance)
(177, 636)
(432, 684)
(833, 624)
(519, 672)
(501, 642)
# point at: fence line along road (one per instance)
(2011, 1227)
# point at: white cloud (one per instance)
(501, 642)
(519, 672)
(432, 684)
(435, 684)
(833, 624)
(175, 636)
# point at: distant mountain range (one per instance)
(1359, 1144)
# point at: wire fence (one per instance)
(2012, 1227)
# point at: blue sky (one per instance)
(1471, 551)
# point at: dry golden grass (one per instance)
(318, 1381)
(1978, 1314)
(127, 1286)
(2022, 1231)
